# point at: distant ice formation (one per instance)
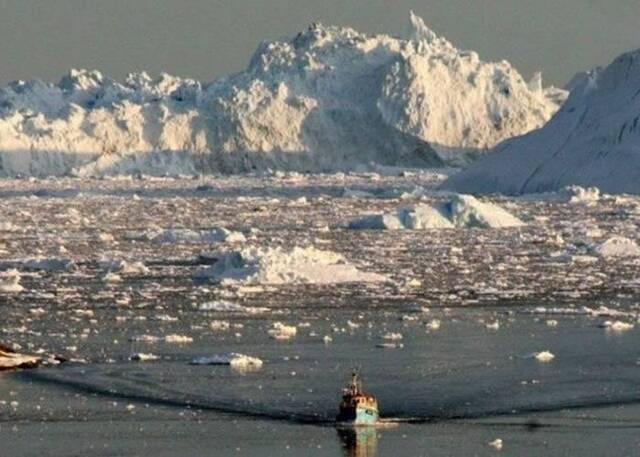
(462, 211)
(329, 98)
(594, 140)
(276, 265)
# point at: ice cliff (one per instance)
(329, 98)
(594, 140)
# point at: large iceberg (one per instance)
(329, 98)
(594, 140)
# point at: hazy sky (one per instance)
(205, 39)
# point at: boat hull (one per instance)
(358, 416)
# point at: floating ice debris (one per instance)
(39, 263)
(462, 211)
(214, 235)
(10, 281)
(220, 325)
(617, 246)
(390, 345)
(123, 266)
(178, 339)
(433, 324)
(239, 361)
(230, 307)
(143, 357)
(106, 237)
(279, 266)
(496, 444)
(111, 277)
(280, 331)
(145, 338)
(617, 326)
(544, 356)
(493, 325)
(10, 360)
(578, 194)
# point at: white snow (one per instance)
(254, 265)
(593, 140)
(461, 211)
(235, 360)
(616, 247)
(328, 98)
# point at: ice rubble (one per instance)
(235, 360)
(276, 265)
(10, 359)
(214, 235)
(594, 140)
(617, 246)
(10, 281)
(462, 211)
(328, 98)
(39, 263)
(222, 306)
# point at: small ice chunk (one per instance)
(178, 339)
(544, 356)
(496, 444)
(280, 331)
(616, 326)
(10, 281)
(235, 360)
(143, 357)
(493, 325)
(433, 324)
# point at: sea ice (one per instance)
(462, 211)
(281, 266)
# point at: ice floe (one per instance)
(10, 281)
(284, 266)
(235, 360)
(617, 246)
(230, 307)
(461, 211)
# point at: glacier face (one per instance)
(594, 140)
(329, 98)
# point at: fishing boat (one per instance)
(357, 407)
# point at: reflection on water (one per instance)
(359, 441)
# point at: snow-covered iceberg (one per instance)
(462, 211)
(594, 140)
(328, 98)
(254, 265)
